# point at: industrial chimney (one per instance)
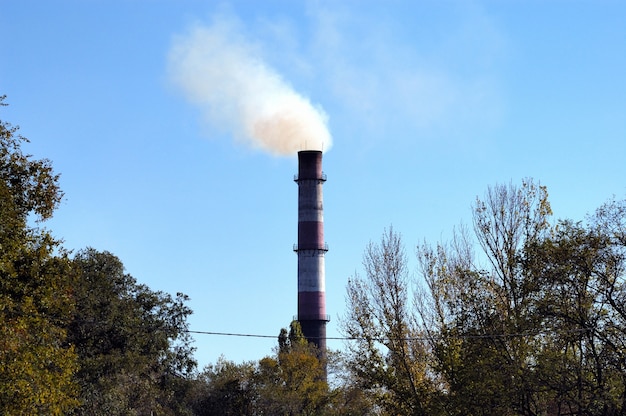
(311, 249)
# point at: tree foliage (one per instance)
(387, 357)
(225, 389)
(132, 344)
(290, 382)
(516, 316)
(36, 362)
(480, 308)
(31, 183)
(77, 336)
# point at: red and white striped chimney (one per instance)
(311, 249)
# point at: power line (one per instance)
(229, 334)
(421, 338)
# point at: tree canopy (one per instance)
(37, 364)
(524, 316)
(77, 335)
(132, 343)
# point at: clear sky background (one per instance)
(428, 103)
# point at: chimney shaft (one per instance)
(311, 249)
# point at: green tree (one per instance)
(133, 346)
(531, 323)
(36, 362)
(293, 382)
(387, 356)
(480, 308)
(582, 308)
(225, 389)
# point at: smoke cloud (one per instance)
(222, 73)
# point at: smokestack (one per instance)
(311, 249)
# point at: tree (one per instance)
(225, 389)
(133, 346)
(77, 336)
(538, 329)
(293, 382)
(36, 362)
(609, 222)
(532, 324)
(483, 316)
(387, 355)
(569, 365)
(31, 183)
(581, 270)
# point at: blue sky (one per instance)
(428, 103)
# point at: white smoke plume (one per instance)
(222, 73)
